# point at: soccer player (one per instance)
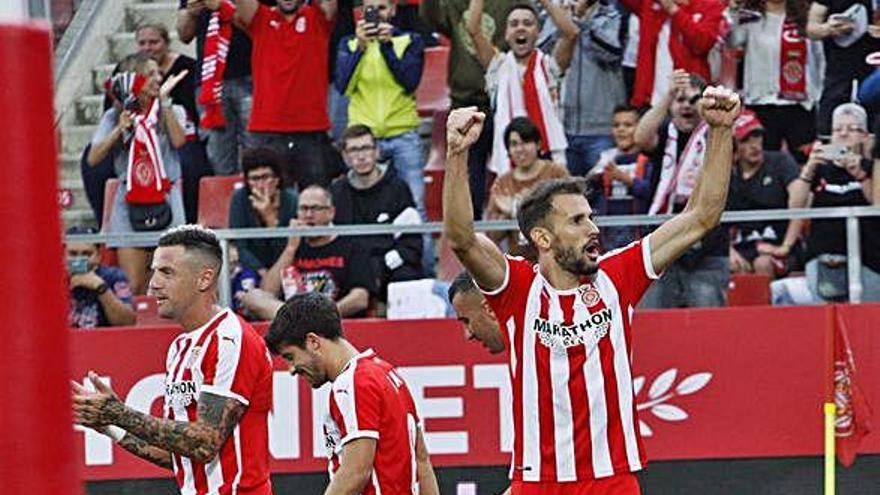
(474, 313)
(218, 386)
(567, 318)
(372, 433)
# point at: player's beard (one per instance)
(571, 260)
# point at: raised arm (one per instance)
(484, 47)
(568, 33)
(245, 10)
(186, 20)
(646, 134)
(330, 8)
(719, 107)
(200, 440)
(103, 146)
(479, 255)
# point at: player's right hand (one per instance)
(463, 128)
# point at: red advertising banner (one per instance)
(711, 384)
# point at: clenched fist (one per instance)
(719, 106)
(463, 127)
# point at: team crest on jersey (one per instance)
(300, 25)
(589, 295)
(182, 393)
(589, 331)
(193, 356)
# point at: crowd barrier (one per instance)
(711, 384)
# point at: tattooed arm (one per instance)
(200, 440)
(142, 449)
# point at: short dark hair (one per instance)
(83, 230)
(194, 238)
(626, 108)
(538, 203)
(523, 6)
(261, 156)
(525, 128)
(309, 312)
(354, 132)
(318, 187)
(462, 284)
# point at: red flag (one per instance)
(853, 417)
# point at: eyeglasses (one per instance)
(849, 128)
(361, 149)
(692, 100)
(312, 208)
(260, 177)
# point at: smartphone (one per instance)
(77, 265)
(841, 18)
(371, 16)
(834, 152)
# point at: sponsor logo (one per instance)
(587, 332)
(181, 393)
(661, 393)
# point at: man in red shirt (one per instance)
(290, 61)
(218, 382)
(372, 432)
(567, 319)
(673, 34)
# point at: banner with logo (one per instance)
(710, 384)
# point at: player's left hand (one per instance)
(94, 408)
(719, 106)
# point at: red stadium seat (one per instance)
(748, 289)
(432, 95)
(215, 193)
(435, 168)
(147, 312)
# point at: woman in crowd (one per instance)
(782, 69)
(523, 142)
(149, 196)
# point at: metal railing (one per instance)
(850, 214)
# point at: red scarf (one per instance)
(793, 64)
(146, 180)
(214, 56)
(533, 103)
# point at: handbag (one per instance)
(149, 217)
(832, 280)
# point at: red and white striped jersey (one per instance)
(574, 412)
(370, 400)
(224, 357)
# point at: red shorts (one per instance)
(621, 484)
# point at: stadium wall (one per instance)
(724, 394)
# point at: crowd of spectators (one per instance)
(314, 103)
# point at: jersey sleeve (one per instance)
(630, 269)
(233, 366)
(356, 406)
(512, 294)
